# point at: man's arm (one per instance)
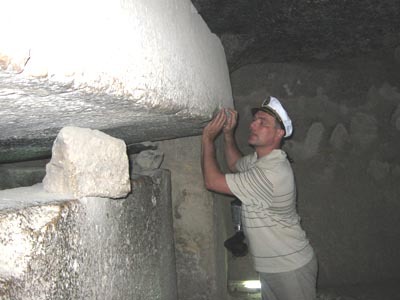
(214, 179)
(232, 153)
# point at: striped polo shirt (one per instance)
(267, 189)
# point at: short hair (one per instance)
(278, 124)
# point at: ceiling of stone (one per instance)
(254, 31)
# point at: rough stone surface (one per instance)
(340, 137)
(53, 247)
(363, 129)
(396, 118)
(22, 174)
(88, 163)
(167, 78)
(378, 170)
(199, 224)
(303, 30)
(146, 160)
(311, 145)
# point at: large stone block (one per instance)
(88, 163)
(55, 248)
(112, 65)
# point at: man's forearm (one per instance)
(214, 179)
(232, 153)
(209, 162)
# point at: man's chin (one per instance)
(250, 143)
(251, 140)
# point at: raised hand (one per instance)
(231, 120)
(213, 128)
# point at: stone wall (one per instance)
(199, 224)
(22, 174)
(345, 151)
(54, 247)
(199, 221)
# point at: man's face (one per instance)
(263, 131)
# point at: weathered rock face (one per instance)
(22, 174)
(281, 31)
(53, 247)
(198, 224)
(138, 70)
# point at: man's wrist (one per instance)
(228, 136)
(207, 139)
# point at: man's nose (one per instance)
(253, 124)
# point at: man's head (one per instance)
(273, 107)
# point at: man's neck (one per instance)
(263, 151)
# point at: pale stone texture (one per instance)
(108, 65)
(146, 160)
(55, 248)
(88, 163)
(153, 66)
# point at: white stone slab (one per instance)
(158, 53)
(88, 163)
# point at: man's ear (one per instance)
(281, 133)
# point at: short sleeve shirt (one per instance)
(267, 189)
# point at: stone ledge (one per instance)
(92, 248)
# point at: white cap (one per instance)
(272, 106)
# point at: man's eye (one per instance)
(262, 122)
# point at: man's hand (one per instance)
(231, 121)
(211, 131)
(232, 153)
(214, 179)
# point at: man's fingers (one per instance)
(231, 119)
(219, 119)
(214, 127)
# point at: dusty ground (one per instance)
(384, 291)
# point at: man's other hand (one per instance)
(211, 131)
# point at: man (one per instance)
(264, 182)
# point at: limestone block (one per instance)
(114, 65)
(363, 129)
(153, 67)
(55, 248)
(88, 163)
(146, 160)
(18, 231)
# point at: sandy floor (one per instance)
(386, 291)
